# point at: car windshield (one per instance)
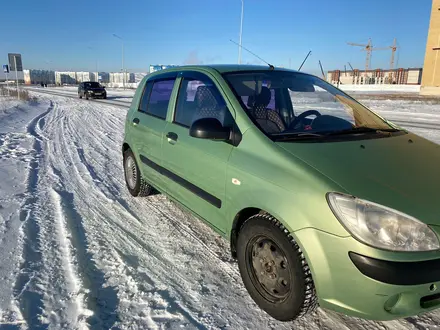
(286, 104)
(92, 84)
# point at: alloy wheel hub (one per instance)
(130, 172)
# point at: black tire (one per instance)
(289, 291)
(80, 96)
(138, 188)
(86, 95)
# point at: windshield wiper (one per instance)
(297, 136)
(363, 130)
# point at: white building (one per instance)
(85, 76)
(118, 77)
(410, 76)
(73, 78)
(38, 76)
(65, 77)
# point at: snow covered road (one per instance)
(394, 110)
(77, 251)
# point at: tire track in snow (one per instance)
(101, 300)
(74, 312)
(78, 169)
(30, 300)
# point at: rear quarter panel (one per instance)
(132, 110)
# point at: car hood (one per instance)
(401, 172)
(96, 89)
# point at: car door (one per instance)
(196, 168)
(148, 124)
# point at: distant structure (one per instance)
(139, 76)
(431, 69)
(73, 78)
(65, 78)
(157, 67)
(118, 77)
(86, 76)
(411, 76)
(38, 76)
(104, 77)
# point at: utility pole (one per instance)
(241, 31)
(16, 76)
(97, 72)
(7, 84)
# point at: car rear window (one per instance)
(155, 103)
(92, 85)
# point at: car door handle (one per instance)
(171, 136)
(135, 121)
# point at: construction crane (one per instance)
(393, 48)
(368, 48)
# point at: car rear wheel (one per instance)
(274, 269)
(136, 185)
(80, 96)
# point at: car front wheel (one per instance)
(136, 185)
(274, 269)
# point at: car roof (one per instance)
(224, 68)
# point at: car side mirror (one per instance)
(210, 128)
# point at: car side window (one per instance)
(160, 97)
(200, 99)
(143, 104)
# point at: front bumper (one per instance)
(97, 95)
(361, 281)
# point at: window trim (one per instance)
(142, 96)
(164, 77)
(198, 76)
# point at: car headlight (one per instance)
(381, 226)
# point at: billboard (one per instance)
(5, 68)
(15, 58)
(157, 67)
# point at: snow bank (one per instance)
(121, 85)
(382, 88)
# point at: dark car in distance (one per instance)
(91, 89)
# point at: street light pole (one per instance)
(123, 71)
(97, 72)
(16, 76)
(241, 31)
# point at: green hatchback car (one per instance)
(324, 202)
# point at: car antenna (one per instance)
(310, 52)
(270, 65)
(322, 70)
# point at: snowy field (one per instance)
(78, 252)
